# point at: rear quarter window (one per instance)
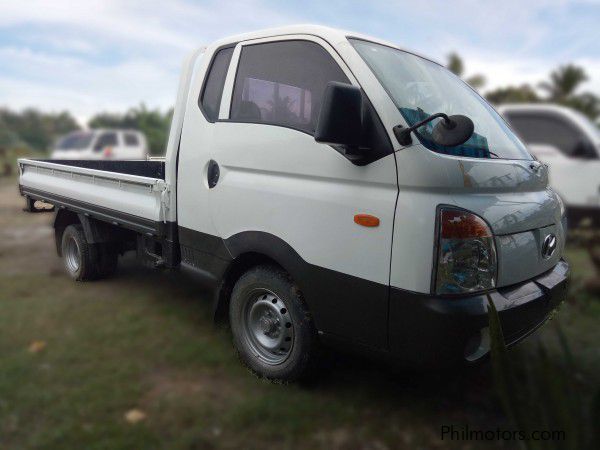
(212, 91)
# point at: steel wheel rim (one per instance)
(72, 255)
(267, 327)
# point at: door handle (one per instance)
(212, 174)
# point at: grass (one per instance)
(144, 340)
(149, 344)
(539, 392)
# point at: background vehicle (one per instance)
(322, 190)
(101, 144)
(569, 143)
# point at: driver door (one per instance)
(276, 179)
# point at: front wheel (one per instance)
(271, 326)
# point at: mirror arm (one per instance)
(403, 134)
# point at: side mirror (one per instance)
(455, 131)
(449, 132)
(340, 118)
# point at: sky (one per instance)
(88, 56)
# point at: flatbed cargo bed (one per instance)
(131, 194)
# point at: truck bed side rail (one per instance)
(132, 201)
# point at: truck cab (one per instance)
(332, 188)
(569, 143)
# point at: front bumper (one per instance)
(427, 330)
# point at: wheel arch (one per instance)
(62, 220)
(249, 249)
(95, 231)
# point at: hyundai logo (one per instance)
(548, 246)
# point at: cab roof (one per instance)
(333, 36)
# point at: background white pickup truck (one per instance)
(569, 143)
(101, 144)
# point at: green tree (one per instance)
(8, 138)
(456, 65)
(513, 94)
(108, 120)
(587, 103)
(564, 81)
(563, 86)
(34, 128)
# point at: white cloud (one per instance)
(84, 88)
(508, 41)
(176, 24)
(95, 55)
(501, 69)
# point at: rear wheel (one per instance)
(272, 329)
(84, 261)
(78, 255)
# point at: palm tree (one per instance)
(563, 86)
(455, 65)
(563, 83)
(512, 94)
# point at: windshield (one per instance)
(75, 141)
(420, 88)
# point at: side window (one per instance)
(546, 129)
(212, 91)
(283, 83)
(106, 140)
(131, 140)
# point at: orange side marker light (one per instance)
(366, 220)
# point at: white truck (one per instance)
(332, 188)
(569, 143)
(101, 144)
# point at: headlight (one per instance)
(466, 259)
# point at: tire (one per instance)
(79, 257)
(272, 329)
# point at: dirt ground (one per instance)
(23, 235)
